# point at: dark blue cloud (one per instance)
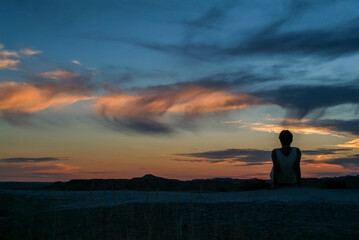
(300, 101)
(26, 159)
(348, 162)
(233, 156)
(247, 157)
(330, 42)
(140, 125)
(334, 42)
(325, 151)
(348, 126)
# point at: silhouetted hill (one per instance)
(153, 183)
(23, 185)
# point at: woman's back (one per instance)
(286, 163)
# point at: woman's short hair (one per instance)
(285, 137)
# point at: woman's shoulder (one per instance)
(275, 150)
(297, 150)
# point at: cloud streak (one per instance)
(29, 52)
(144, 111)
(35, 160)
(347, 162)
(25, 98)
(249, 157)
(268, 41)
(235, 156)
(300, 101)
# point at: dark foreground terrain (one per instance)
(38, 218)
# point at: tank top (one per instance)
(286, 174)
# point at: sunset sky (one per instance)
(179, 89)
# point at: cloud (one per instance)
(56, 90)
(295, 128)
(339, 40)
(335, 127)
(76, 62)
(249, 157)
(235, 156)
(60, 74)
(299, 101)
(351, 127)
(208, 18)
(28, 51)
(6, 57)
(351, 144)
(325, 151)
(27, 98)
(30, 170)
(145, 110)
(10, 64)
(6, 54)
(6, 61)
(347, 162)
(332, 42)
(26, 159)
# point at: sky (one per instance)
(178, 89)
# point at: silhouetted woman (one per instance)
(286, 162)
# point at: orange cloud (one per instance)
(27, 51)
(264, 127)
(190, 100)
(6, 61)
(147, 110)
(8, 64)
(6, 54)
(64, 75)
(28, 98)
(351, 144)
(65, 167)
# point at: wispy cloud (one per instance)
(27, 159)
(76, 62)
(350, 144)
(7, 60)
(240, 157)
(44, 170)
(29, 98)
(28, 51)
(267, 41)
(300, 101)
(10, 64)
(248, 157)
(143, 111)
(325, 151)
(6, 54)
(60, 74)
(351, 162)
(335, 127)
(296, 128)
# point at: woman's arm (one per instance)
(276, 168)
(296, 167)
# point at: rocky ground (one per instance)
(253, 215)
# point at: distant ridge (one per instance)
(150, 182)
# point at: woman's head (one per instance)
(285, 137)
